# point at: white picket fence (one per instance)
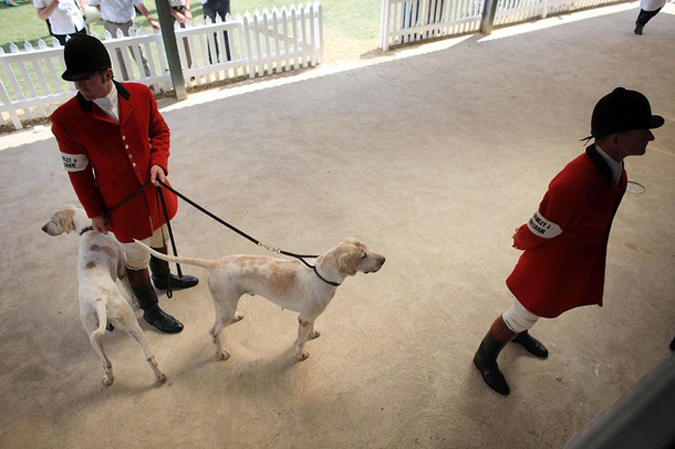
(405, 21)
(514, 11)
(257, 44)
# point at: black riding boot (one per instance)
(485, 359)
(161, 275)
(531, 345)
(147, 298)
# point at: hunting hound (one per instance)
(100, 263)
(287, 283)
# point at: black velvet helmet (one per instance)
(84, 55)
(622, 110)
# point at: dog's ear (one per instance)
(65, 220)
(346, 264)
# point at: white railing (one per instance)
(405, 21)
(514, 11)
(244, 46)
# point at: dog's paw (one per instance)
(161, 378)
(224, 355)
(314, 334)
(303, 355)
(238, 316)
(108, 380)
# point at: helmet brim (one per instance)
(656, 121)
(70, 75)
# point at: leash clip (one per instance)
(269, 248)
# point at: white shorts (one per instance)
(138, 257)
(518, 318)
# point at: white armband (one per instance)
(542, 227)
(74, 162)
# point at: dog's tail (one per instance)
(204, 263)
(99, 305)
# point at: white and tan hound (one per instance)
(287, 283)
(100, 263)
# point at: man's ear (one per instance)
(108, 74)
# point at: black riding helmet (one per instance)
(84, 55)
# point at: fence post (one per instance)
(384, 26)
(488, 16)
(171, 47)
(249, 46)
(320, 24)
(4, 96)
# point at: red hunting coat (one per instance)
(108, 161)
(565, 242)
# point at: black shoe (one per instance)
(161, 276)
(638, 29)
(162, 320)
(185, 281)
(531, 345)
(492, 375)
(672, 345)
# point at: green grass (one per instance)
(357, 18)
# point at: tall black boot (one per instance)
(161, 275)
(147, 298)
(485, 359)
(531, 345)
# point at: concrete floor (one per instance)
(432, 160)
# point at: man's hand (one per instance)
(157, 172)
(514, 239)
(153, 23)
(180, 18)
(100, 224)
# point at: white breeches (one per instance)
(518, 318)
(137, 256)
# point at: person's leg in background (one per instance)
(223, 11)
(643, 18)
(210, 11)
(61, 38)
(126, 27)
(181, 11)
(112, 28)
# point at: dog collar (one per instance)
(88, 228)
(334, 284)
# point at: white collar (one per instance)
(616, 167)
(110, 104)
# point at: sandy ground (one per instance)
(431, 158)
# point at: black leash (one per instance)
(130, 196)
(300, 257)
(160, 195)
(160, 199)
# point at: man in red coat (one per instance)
(565, 242)
(113, 140)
